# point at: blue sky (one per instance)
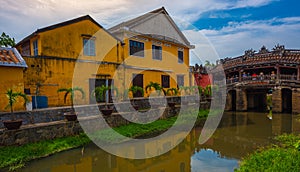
(216, 19)
(219, 28)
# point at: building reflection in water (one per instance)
(237, 135)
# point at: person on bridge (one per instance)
(261, 76)
(254, 76)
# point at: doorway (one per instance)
(138, 80)
(93, 83)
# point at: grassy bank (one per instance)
(16, 156)
(282, 156)
(13, 157)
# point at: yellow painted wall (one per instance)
(64, 45)
(67, 41)
(11, 77)
(57, 73)
(168, 65)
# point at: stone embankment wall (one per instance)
(45, 124)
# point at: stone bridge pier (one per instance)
(284, 99)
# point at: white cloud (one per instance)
(19, 18)
(235, 38)
(251, 3)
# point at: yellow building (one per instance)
(155, 50)
(11, 71)
(52, 53)
(80, 52)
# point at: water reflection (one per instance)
(237, 135)
(209, 160)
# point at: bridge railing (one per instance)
(271, 79)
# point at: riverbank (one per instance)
(14, 157)
(284, 155)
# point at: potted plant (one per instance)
(156, 86)
(100, 93)
(12, 99)
(71, 116)
(184, 90)
(172, 92)
(134, 89)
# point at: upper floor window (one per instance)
(180, 56)
(165, 81)
(136, 48)
(89, 47)
(25, 49)
(35, 47)
(156, 52)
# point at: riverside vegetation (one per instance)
(284, 155)
(14, 157)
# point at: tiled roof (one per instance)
(285, 57)
(11, 57)
(65, 23)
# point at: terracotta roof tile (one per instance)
(11, 57)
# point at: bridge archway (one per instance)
(232, 94)
(286, 94)
(257, 100)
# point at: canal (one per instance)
(238, 134)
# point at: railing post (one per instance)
(298, 75)
(278, 72)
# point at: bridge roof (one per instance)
(250, 58)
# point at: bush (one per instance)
(283, 156)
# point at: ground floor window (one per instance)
(180, 80)
(165, 81)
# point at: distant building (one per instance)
(12, 66)
(252, 76)
(200, 76)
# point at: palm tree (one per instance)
(12, 99)
(71, 92)
(155, 86)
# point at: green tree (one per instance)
(12, 98)
(71, 92)
(6, 40)
(208, 64)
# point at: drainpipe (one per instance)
(123, 63)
